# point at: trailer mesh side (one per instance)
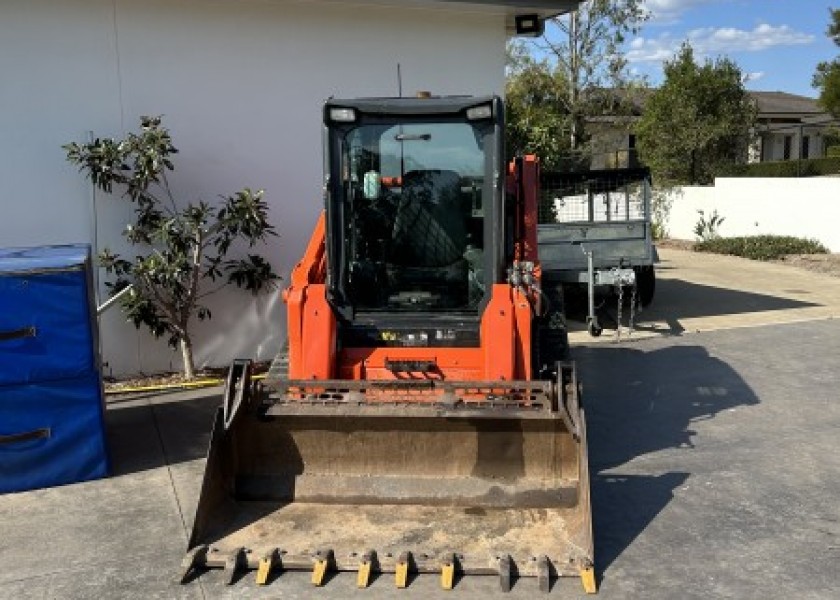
(594, 196)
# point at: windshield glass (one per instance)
(413, 215)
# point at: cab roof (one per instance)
(411, 106)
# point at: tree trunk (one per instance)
(574, 77)
(187, 355)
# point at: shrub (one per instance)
(661, 201)
(812, 167)
(761, 247)
(833, 151)
(707, 229)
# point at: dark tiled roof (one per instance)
(782, 102)
(768, 103)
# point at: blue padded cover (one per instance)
(71, 411)
(46, 289)
(21, 260)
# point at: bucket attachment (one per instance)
(399, 477)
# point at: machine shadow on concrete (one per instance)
(638, 403)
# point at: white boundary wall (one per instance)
(241, 85)
(804, 207)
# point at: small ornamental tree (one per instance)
(183, 246)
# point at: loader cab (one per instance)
(414, 202)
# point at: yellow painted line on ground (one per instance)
(184, 385)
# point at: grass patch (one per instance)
(761, 247)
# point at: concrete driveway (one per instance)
(715, 466)
(707, 292)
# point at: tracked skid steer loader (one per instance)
(428, 419)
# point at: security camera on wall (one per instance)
(529, 25)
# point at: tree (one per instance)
(588, 54)
(579, 69)
(534, 93)
(697, 121)
(827, 77)
(184, 246)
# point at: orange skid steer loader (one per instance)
(428, 421)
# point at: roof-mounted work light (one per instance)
(342, 115)
(483, 111)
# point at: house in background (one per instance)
(611, 136)
(788, 127)
(241, 85)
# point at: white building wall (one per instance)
(241, 84)
(774, 143)
(807, 207)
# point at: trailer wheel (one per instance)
(646, 284)
(593, 327)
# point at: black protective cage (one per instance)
(381, 111)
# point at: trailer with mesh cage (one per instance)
(595, 231)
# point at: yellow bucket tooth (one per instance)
(365, 566)
(320, 567)
(264, 567)
(401, 572)
(587, 578)
(447, 573)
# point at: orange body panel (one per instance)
(319, 336)
(311, 322)
(504, 353)
(458, 364)
(498, 335)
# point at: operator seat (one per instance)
(429, 228)
(430, 233)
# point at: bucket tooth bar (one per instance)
(449, 567)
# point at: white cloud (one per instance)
(669, 11)
(751, 77)
(713, 41)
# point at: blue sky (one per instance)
(777, 43)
